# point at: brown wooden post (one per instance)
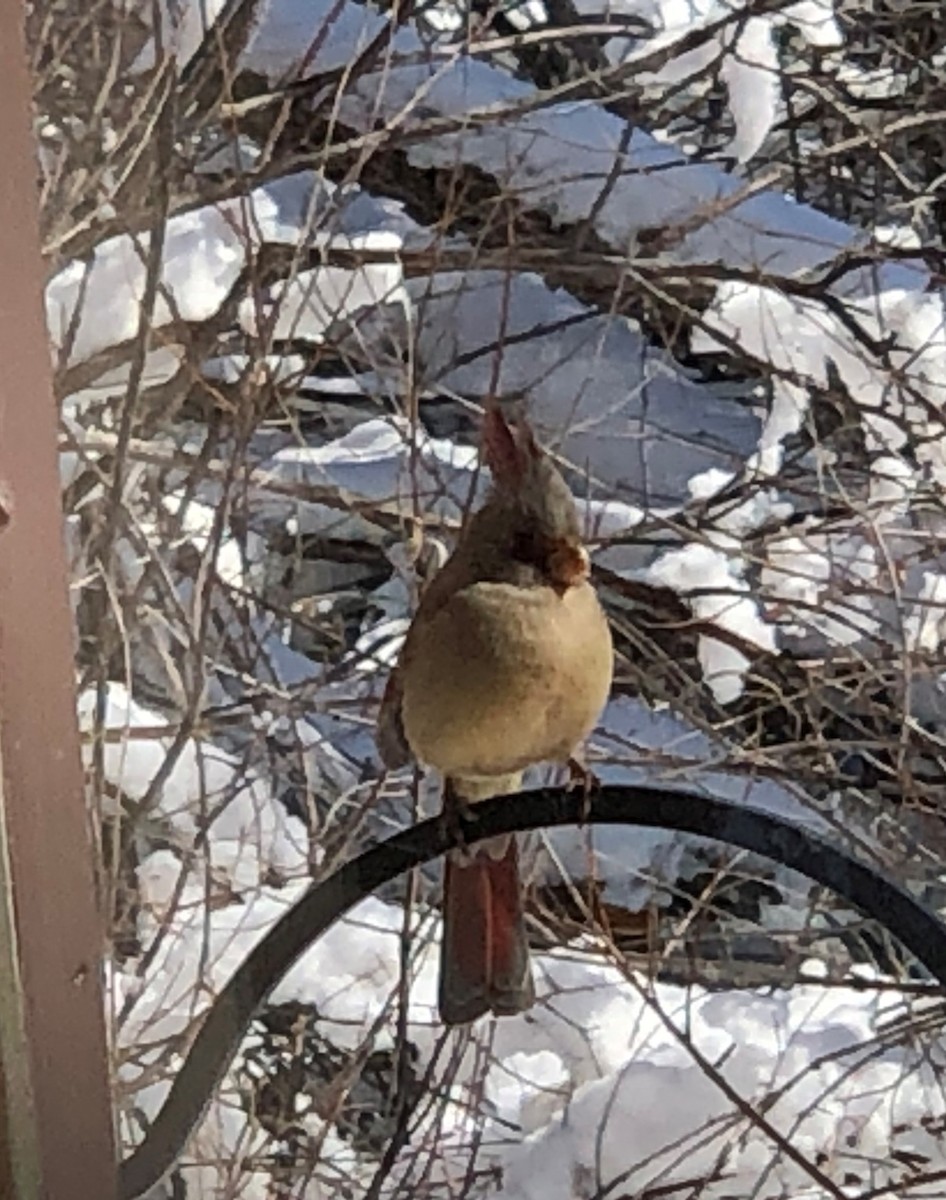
(59, 936)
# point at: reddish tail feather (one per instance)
(484, 959)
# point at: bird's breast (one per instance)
(503, 676)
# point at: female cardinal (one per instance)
(507, 663)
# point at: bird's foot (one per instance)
(581, 776)
(457, 814)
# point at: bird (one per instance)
(507, 663)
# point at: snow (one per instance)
(203, 254)
(638, 868)
(569, 1076)
(599, 1081)
(181, 29)
(288, 38)
(561, 159)
(703, 567)
(202, 258)
(608, 403)
(205, 791)
(656, 1117)
(800, 336)
(306, 306)
(744, 49)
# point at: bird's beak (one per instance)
(569, 563)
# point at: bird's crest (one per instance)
(508, 450)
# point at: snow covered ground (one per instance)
(611, 1078)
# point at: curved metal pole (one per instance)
(781, 840)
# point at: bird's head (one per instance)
(531, 504)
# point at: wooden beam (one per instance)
(58, 939)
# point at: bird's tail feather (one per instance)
(484, 963)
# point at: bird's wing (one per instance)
(389, 733)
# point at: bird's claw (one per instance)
(580, 776)
(457, 814)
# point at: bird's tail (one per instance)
(484, 960)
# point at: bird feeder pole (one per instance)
(56, 1125)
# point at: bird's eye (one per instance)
(526, 549)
